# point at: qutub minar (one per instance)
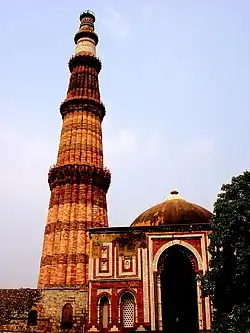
(95, 278)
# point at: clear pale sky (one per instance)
(175, 82)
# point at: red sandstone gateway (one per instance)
(94, 278)
(143, 277)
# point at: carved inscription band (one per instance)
(88, 147)
(82, 126)
(67, 226)
(61, 258)
(65, 286)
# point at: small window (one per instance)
(128, 310)
(104, 311)
(32, 318)
(67, 316)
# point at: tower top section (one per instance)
(89, 14)
(86, 39)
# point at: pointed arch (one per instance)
(127, 305)
(181, 243)
(67, 316)
(104, 310)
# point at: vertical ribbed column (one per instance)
(81, 235)
(78, 182)
(81, 140)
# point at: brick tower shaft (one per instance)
(78, 182)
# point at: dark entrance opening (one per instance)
(178, 291)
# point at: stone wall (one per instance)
(52, 302)
(16, 303)
(49, 309)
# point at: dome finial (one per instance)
(174, 194)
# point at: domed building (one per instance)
(174, 210)
(96, 278)
(150, 270)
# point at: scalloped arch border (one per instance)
(177, 242)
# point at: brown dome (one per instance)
(174, 210)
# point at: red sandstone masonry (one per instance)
(78, 195)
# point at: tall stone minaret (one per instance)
(78, 182)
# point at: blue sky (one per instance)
(175, 82)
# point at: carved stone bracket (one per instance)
(84, 59)
(79, 174)
(75, 104)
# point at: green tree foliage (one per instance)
(228, 280)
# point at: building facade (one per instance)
(144, 277)
(95, 278)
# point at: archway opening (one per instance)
(104, 313)
(32, 318)
(127, 311)
(178, 291)
(67, 316)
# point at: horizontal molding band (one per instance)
(66, 286)
(86, 33)
(67, 226)
(79, 174)
(85, 59)
(158, 229)
(82, 126)
(82, 104)
(78, 146)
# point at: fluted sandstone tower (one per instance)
(78, 182)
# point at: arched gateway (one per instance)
(178, 290)
(151, 270)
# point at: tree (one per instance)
(228, 280)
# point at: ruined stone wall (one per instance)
(15, 305)
(49, 309)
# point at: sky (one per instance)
(175, 83)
